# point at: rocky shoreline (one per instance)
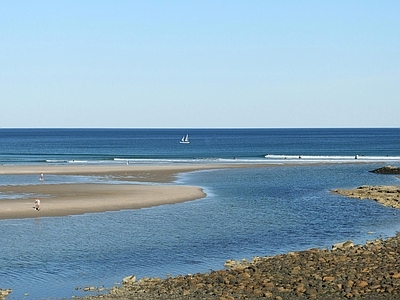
(370, 271)
(385, 195)
(392, 170)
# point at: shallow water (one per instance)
(248, 212)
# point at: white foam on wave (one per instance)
(144, 160)
(77, 161)
(92, 162)
(269, 158)
(333, 158)
(163, 160)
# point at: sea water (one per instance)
(248, 212)
(117, 146)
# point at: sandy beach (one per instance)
(71, 199)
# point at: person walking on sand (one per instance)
(37, 204)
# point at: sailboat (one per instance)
(185, 139)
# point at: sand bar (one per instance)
(71, 199)
(141, 173)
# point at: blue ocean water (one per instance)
(247, 212)
(36, 146)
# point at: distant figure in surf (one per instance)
(41, 178)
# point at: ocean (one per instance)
(248, 212)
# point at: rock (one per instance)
(300, 288)
(3, 293)
(268, 295)
(387, 170)
(312, 291)
(269, 286)
(342, 246)
(230, 263)
(129, 279)
(396, 275)
(328, 278)
(361, 284)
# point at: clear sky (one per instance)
(167, 64)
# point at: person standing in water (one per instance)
(41, 177)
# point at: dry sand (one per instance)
(71, 199)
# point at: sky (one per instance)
(199, 64)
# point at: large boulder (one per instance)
(387, 170)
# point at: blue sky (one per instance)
(156, 64)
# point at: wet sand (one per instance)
(144, 173)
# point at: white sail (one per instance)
(185, 139)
